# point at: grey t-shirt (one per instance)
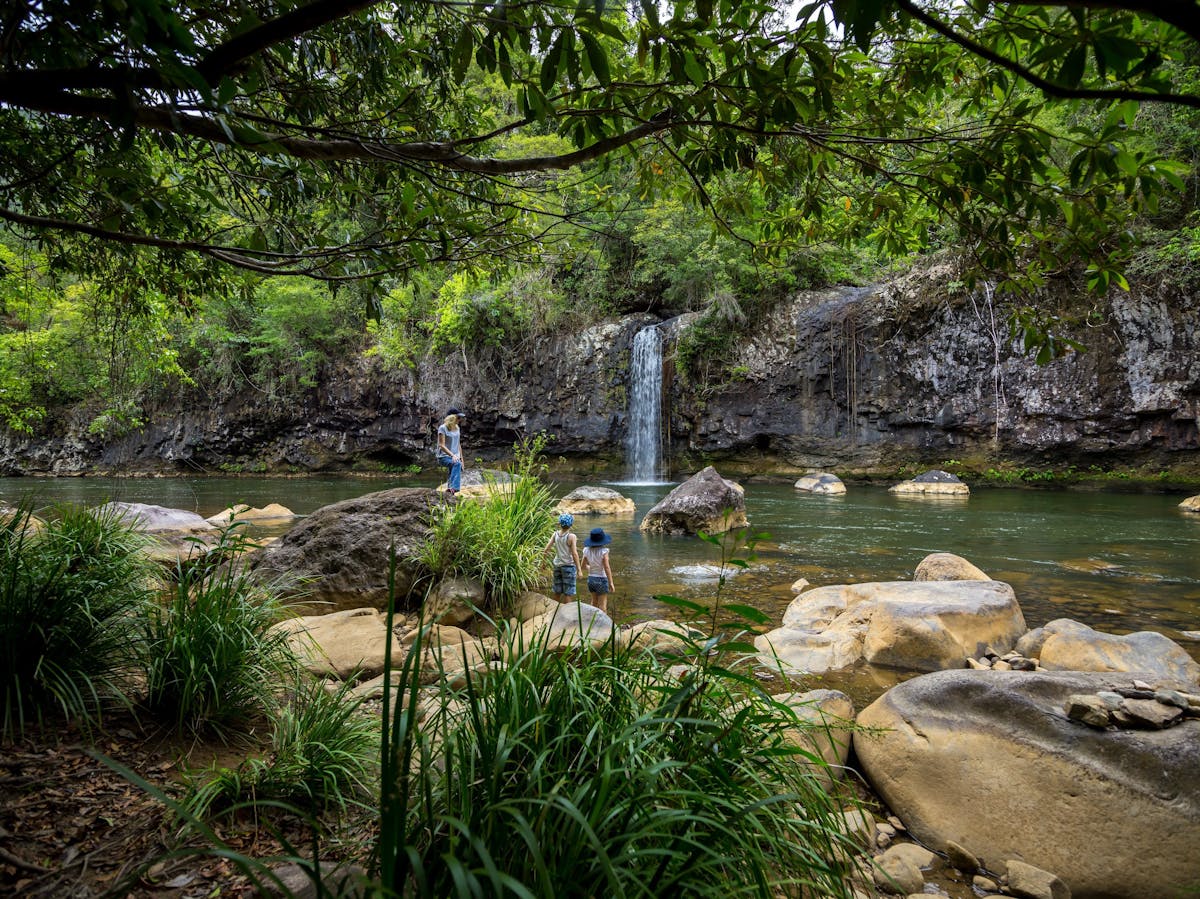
(452, 438)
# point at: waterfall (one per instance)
(643, 443)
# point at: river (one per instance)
(1118, 562)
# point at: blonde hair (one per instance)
(451, 422)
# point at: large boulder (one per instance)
(339, 554)
(989, 759)
(947, 567)
(932, 483)
(821, 482)
(1067, 645)
(704, 502)
(925, 626)
(589, 500)
(454, 601)
(1191, 504)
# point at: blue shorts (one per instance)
(564, 579)
(597, 584)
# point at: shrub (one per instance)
(603, 776)
(213, 658)
(323, 754)
(71, 597)
(499, 538)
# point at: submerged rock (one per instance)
(1191, 504)
(821, 482)
(932, 483)
(588, 500)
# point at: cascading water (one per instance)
(643, 443)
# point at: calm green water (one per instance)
(1118, 562)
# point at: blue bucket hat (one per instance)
(566, 520)
(597, 538)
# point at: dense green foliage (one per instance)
(213, 655)
(588, 775)
(463, 176)
(72, 593)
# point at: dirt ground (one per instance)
(72, 826)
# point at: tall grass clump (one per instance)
(499, 537)
(603, 776)
(72, 593)
(324, 756)
(213, 658)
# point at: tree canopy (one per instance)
(346, 139)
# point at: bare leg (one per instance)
(600, 601)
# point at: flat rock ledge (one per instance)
(932, 483)
(588, 500)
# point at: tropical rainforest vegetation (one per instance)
(236, 195)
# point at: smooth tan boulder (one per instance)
(932, 483)
(917, 626)
(531, 605)
(822, 483)
(827, 718)
(947, 567)
(660, 636)
(588, 500)
(1191, 504)
(270, 513)
(988, 759)
(1067, 645)
(455, 601)
(704, 502)
(572, 625)
(340, 643)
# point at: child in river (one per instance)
(566, 558)
(449, 450)
(596, 566)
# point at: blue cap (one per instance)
(566, 519)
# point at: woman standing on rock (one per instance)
(449, 450)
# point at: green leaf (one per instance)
(597, 58)
(748, 612)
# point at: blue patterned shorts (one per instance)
(597, 584)
(564, 580)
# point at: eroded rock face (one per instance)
(342, 643)
(588, 500)
(989, 760)
(821, 482)
(704, 502)
(900, 624)
(1067, 645)
(272, 512)
(339, 554)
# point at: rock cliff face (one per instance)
(848, 377)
